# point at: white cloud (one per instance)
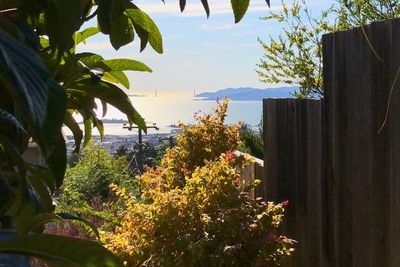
(225, 26)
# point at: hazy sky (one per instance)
(200, 54)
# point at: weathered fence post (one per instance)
(292, 165)
(362, 169)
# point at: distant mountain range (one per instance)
(248, 93)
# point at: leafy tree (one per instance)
(43, 82)
(95, 171)
(361, 12)
(295, 56)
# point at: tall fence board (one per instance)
(293, 169)
(362, 169)
(333, 162)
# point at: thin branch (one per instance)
(389, 101)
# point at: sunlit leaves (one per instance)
(148, 29)
(295, 56)
(111, 94)
(196, 203)
(121, 64)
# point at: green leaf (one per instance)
(87, 123)
(42, 181)
(121, 32)
(78, 99)
(80, 37)
(114, 96)
(141, 19)
(63, 18)
(38, 99)
(116, 77)
(66, 250)
(104, 105)
(239, 8)
(24, 77)
(100, 127)
(71, 123)
(51, 139)
(73, 217)
(121, 64)
(143, 35)
(39, 220)
(104, 15)
(89, 59)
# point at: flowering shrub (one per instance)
(194, 209)
(205, 140)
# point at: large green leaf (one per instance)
(121, 64)
(104, 15)
(25, 78)
(87, 124)
(141, 19)
(121, 32)
(71, 123)
(239, 8)
(39, 101)
(116, 77)
(39, 220)
(89, 59)
(113, 95)
(80, 37)
(63, 18)
(51, 139)
(65, 250)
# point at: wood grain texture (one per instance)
(329, 159)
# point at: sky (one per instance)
(200, 54)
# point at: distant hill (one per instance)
(248, 93)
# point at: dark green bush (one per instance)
(252, 142)
(92, 176)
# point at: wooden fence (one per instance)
(292, 130)
(342, 177)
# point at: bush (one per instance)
(194, 209)
(86, 189)
(95, 171)
(252, 143)
(206, 140)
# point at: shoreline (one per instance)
(111, 142)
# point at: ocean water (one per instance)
(167, 109)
